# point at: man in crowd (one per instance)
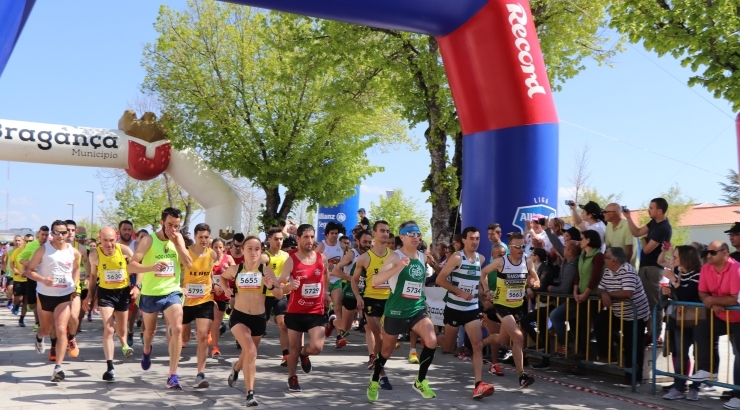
(494, 236)
(734, 235)
(364, 222)
(618, 233)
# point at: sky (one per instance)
(77, 63)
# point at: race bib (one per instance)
(384, 285)
(249, 280)
(83, 275)
(114, 276)
(412, 290)
(195, 290)
(311, 290)
(514, 295)
(361, 283)
(168, 271)
(59, 280)
(467, 288)
(217, 280)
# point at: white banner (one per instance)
(435, 304)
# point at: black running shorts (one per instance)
(255, 323)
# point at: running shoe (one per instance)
(413, 358)
(15, 311)
(40, 346)
(89, 317)
(525, 380)
(674, 394)
(173, 382)
(201, 382)
(284, 361)
(371, 362)
(385, 384)
(130, 339)
(127, 351)
(373, 391)
(341, 342)
(423, 388)
(10, 305)
(210, 339)
(702, 376)
(483, 390)
(692, 395)
(495, 369)
(21, 323)
(215, 352)
(35, 328)
(53, 354)
(74, 351)
(293, 385)
(138, 322)
(222, 329)
(233, 377)
(146, 359)
(251, 402)
(306, 364)
(330, 325)
(57, 375)
(109, 375)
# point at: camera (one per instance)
(569, 202)
(625, 209)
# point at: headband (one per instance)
(408, 229)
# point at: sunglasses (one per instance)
(81, 236)
(711, 252)
(517, 246)
(59, 232)
(414, 234)
(238, 244)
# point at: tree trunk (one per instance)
(454, 220)
(274, 211)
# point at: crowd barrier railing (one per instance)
(550, 301)
(689, 320)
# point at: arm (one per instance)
(270, 278)
(93, 285)
(393, 265)
(135, 266)
(555, 241)
(533, 280)
(320, 247)
(637, 231)
(577, 220)
(29, 270)
(629, 250)
(442, 278)
(338, 271)
(76, 271)
(182, 251)
(662, 261)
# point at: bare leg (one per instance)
(202, 326)
(106, 313)
(173, 314)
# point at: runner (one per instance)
(277, 306)
(125, 237)
(10, 274)
(110, 286)
(344, 271)
(223, 261)
(374, 296)
(22, 261)
(234, 249)
(247, 320)
(461, 276)
(198, 286)
(18, 301)
(306, 270)
(77, 238)
(58, 266)
(159, 257)
(515, 273)
(331, 248)
(405, 271)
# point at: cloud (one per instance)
(373, 189)
(22, 201)
(100, 197)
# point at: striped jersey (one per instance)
(466, 278)
(626, 279)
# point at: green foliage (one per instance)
(92, 229)
(678, 205)
(704, 35)
(397, 209)
(260, 94)
(731, 189)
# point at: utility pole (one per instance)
(92, 209)
(73, 211)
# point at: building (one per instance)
(7, 235)
(708, 222)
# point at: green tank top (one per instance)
(407, 289)
(164, 282)
(346, 285)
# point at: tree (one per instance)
(569, 32)
(702, 34)
(92, 229)
(303, 212)
(258, 95)
(580, 173)
(678, 205)
(731, 189)
(396, 209)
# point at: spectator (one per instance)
(437, 260)
(684, 287)
(457, 244)
(734, 234)
(719, 285)
(494, 236)
(591, 217)
(618, 233)
(570, 234)
(539, 314)
(590, 269)
(655, 233)
(364, 222)
(568, 275)
(557, 226)
(536, 236)
(620, 282)
(289, 228)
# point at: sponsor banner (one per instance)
(528, 212)
(435, 304)
(344, 213)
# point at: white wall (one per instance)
(708, 233)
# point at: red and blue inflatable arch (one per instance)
(498, 80)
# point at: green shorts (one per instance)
(335, 285)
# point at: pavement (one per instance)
(339, 380)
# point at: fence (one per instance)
(572, 311)
(687, 321)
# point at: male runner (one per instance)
(515, 273)
(198, 288)
(125, 237)
(23, 259)
(159, 258)
(331, 248)
(344, 271)
(10, 273)
(372, 300)
(77, 237)
(58, 265)
(19, 288)
(461, 303)
(110, 285)
(277, 307)
(405, 271)
(309, 281)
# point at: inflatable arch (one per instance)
(498, 80)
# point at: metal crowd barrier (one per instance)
(570, 306)
(696, 306)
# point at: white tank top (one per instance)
(131, 245)
(333, 256)
(355, 256)
(57, 264)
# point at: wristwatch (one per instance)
(138, 286)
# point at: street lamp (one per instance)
(92, 208)
(73, 211)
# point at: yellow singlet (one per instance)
(198, 280)
(383, 290)
(13, 261)
(276, 264)
(112, 273)
(248, 282)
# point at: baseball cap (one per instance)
(734, 229)
(592, 208)
(361, 210)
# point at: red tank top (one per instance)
(217, 271)
(309, 297)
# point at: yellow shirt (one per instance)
(13, 261)
(383, 290)
(198, 280)
(112, 273)
(276, 264)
